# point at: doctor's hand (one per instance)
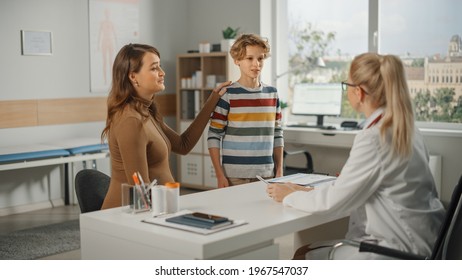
(221, 89)
(278, 191)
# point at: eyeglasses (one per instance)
(345, 86)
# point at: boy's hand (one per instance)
(222, 182)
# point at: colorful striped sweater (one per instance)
(246, 125)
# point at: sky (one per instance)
(417, 27)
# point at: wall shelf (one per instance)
(205, 71)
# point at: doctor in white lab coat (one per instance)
(386, 182)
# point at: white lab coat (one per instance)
(391, 200)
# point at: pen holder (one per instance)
(134, 199)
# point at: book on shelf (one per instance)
(190, 103)
(187, 104)
(197, 101)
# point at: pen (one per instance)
(153, 183)
(144, 187)
(321, 181)
(138, 187)
(263, 180)
(141, 179)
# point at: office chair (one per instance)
(289, 170)
(91, 187)
(448, 245)
(452, 247)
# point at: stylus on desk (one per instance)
(318, 181)
(300, 179)
(263, 180)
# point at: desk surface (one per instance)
(266, 220)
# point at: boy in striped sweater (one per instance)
(245, 136)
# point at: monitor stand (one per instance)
(320, 121)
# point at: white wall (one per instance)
(64, 74)
(173, 26)
(176, 26)
(207, 19)
(450, 150)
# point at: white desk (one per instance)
(112, 234)
(338, 138)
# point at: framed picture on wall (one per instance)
(113, 24)
(34, 42)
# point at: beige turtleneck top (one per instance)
(142, 144)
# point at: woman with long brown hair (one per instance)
(139, 140)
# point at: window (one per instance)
(426, 35)
(324, 36)
(429, 36)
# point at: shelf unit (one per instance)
(194, 83)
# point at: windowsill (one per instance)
(427, 128)
(441, 132)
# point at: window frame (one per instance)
(279, 28)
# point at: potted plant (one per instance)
(285, 111)
(229, 36)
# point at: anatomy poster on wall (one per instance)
(113, 24)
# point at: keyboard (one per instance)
(329, 127)
(323, 127)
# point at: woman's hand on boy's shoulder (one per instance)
(221, 89)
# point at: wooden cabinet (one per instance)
(197, 74)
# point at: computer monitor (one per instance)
(317, 100)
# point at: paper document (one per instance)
(304, 179)
(161, 221)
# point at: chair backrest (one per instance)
(452, 247)
(288, 170)
(453, 215)
(91, 187)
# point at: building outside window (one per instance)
(425, 34)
